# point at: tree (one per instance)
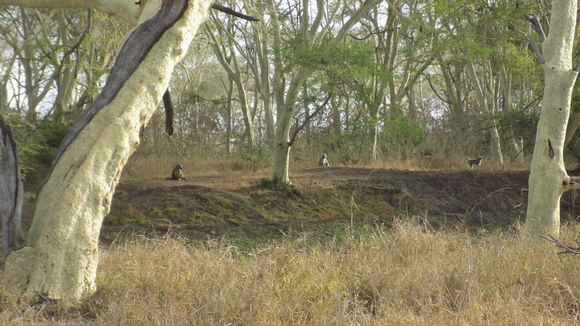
(11, 190)
(60, 258)
(310, 34)
(548, 177)
(225, 52)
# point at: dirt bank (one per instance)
(214, 206)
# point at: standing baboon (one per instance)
(323, 160)
(177, 173)
(474, 161)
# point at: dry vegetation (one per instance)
(406, 276)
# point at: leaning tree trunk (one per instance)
(11, 191)
(60, 259)
(548, 178)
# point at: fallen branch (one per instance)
(567, 249)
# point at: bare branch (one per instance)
(536, 26)
(571, 183)
(308, 118)
(232, 12)
(567, 249)
(125, 10)
(536, 49)
(435, 91)
(368, 35)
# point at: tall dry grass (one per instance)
(409, 276)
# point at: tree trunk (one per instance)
(61, 256)
(548, 177)
(281, 155)
(229, 122)
(286, 99)
(495, 143)
(281, 160)
(11, 191)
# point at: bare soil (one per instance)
(326, 199)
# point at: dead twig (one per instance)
(470, 210)
(559, 244)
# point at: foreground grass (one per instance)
(409, 276)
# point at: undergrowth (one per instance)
(408, 275)
(281, 186)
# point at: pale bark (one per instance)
(234, 73)
(61, 256)
(489, 105)
(547, 175)
(406, 71)
(229, 122)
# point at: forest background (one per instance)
(415, 84)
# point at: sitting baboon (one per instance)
(324, 160)
(474, 161)
(177, 173)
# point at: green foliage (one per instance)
(353, 60)
(38, 146)
(405, 130)
(259, 157)
(575, 106)
(50, 135)
(519, 122)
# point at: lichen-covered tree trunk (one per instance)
(548, 178)
(61, 256)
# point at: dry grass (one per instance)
(409, 276)
(154, 167)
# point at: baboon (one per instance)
(474, 161)
(177, 173)
(324, 160)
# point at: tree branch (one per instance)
(536, 49)
(307, 120)
(125, 10)
(567, 249)
(435, 91)
(536, 26)
(362, 38)
(232, 12)
(571, 183)
(168, 104)
(355, 17)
